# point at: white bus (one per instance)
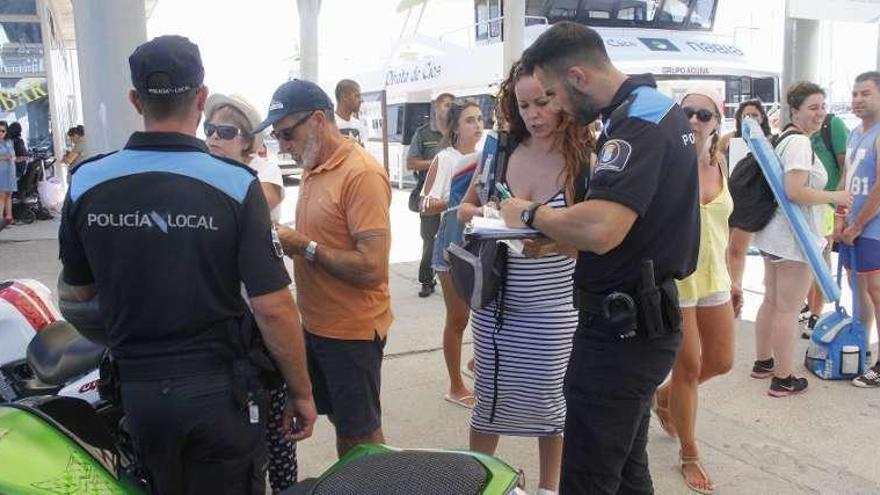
(671, 39)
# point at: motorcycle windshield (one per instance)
(37, 458)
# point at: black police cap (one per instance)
(166, 66)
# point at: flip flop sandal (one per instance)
(663, 416)
(461, 401)
(693, 460)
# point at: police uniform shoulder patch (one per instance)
(614, 155)
(276, 243)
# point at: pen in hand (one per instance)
(503, 191)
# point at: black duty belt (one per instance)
(170, 367)
(650, 312)
(603, 303)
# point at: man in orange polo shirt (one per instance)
(340, 251)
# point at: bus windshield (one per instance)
(698, 15)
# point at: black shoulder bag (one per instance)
(479, 266)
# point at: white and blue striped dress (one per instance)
(534, 342)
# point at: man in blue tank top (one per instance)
(861, 227)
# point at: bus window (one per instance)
(764, 88)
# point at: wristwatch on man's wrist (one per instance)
(528, 215)
(311, 251)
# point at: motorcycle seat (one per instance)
(59, 353)
(398, 473)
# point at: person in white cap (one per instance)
(229, 132)
(704, 296)
(229, 125)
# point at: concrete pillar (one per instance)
(106, 34)
(878, 47)
(308, 38)
(514, 32)
(801, 58)
(57, 125)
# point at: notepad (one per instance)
(495, 228)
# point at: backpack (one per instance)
(753, 201)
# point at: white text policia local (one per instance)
(140, 220)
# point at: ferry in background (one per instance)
(671, 39)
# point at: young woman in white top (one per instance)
(464, 130)
(229, 125)
(787, 275)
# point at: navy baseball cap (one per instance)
(166, 66)
(296, 95)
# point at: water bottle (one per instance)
(849, 360)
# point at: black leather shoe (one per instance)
(427, 290)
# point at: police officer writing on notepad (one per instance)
(165, 234)
(637, 231)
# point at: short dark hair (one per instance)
(165, 106)
(871, 75)
(798, 93)
(564, 45)
(343, 87)
(442, 96)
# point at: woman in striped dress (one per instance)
(522, 348)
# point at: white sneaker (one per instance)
(870, 379)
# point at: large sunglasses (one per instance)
(224, 132)
(702, 114)
(286, 134)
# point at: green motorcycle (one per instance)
(59, 445)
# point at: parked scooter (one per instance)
(31, 336)
(65, 444)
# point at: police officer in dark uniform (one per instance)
(637, 231)
(166, 234)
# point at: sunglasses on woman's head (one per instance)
(286, 134)
(702, 114)
(224, 132)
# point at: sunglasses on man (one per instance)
(702, 114)
(224, 132)
(286, 134)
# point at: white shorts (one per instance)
(713, 299)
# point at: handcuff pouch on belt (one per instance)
(651, 312)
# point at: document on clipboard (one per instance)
(495, 228)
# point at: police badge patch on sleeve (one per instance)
(276, 243)
(614, 155)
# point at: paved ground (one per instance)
(824, 441)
